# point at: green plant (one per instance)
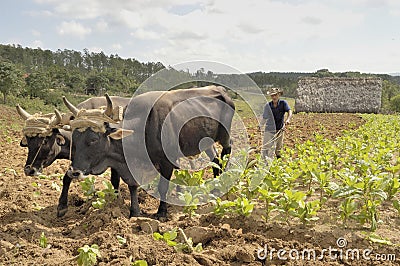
(347, 208)
(187, 178)
(139, 263)
(43, 241)
(374, 238)
(325, 185)
(170, 236)
(55, 186)
(392, 186)
(269, 198)
(289, 203)
(367, 191)
(191, 202)
(88, 255)
(243, 206)
(121, 240)
(105, 195)
(222, 206)
(36, 193)
(187, 245)
(88, 187)
(307, 211)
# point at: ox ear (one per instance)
(120, 133)
(60, 140)
(24, 142)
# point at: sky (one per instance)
(249, 36)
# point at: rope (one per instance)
(70, 149)
(274, 137)
(37, 153)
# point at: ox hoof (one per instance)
(135, 214)
(61, 212)
(162, 217)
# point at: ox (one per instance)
(50, 142)
(101, 146)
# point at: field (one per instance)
(30, 232)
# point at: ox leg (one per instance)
(226, 148)
(166, 172)
(226, 144)
(115, 179)
(62, 207)
(225, 151)
(212, 154)
(134, 209)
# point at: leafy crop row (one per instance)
(358, 172)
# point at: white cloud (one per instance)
(146, 34)
(73, 28)
(102, 26)
(40, 13)
(116, 46)
(311, 20)
(35, 33)
(37, 43)
(250, 28)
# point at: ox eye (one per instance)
(93, 141)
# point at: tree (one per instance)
(11, 79)
(96, 82)
(37, 83)
(395, 103)
(389, 90)
(323, 73)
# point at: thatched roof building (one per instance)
(339, 95)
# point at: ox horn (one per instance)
(24, 114)
(109, 110)
(70, 106)
(58, 118)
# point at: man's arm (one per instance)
(290, 113)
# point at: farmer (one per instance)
(273, 116)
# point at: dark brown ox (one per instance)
(45, 147)
(155, 124)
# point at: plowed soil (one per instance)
(28, 209)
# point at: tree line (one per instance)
(47, 75)
(28, 72)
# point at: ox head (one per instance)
(42, 138)
(92, 138)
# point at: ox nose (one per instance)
(31, 171)
(73, 173)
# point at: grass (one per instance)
(38, 105)
(256, 104)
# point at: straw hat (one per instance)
(274, 91)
